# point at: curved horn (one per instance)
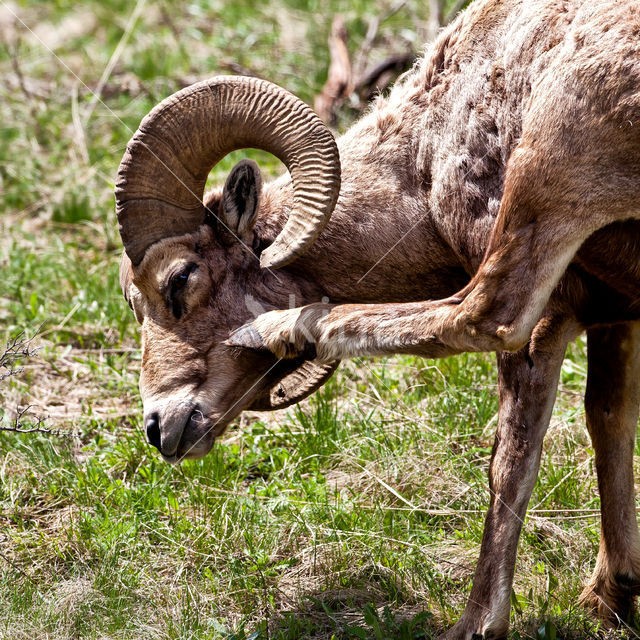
(295, 386)
(162, 175)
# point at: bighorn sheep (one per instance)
(505, 167)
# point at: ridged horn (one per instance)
(162, 176)
(295, 386)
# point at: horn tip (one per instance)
(273, 257)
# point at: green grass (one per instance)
(358, 514)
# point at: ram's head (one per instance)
(195, 268)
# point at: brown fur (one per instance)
(505, 167)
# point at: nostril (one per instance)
(153, 430)
(196, 416)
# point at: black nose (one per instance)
(153, 430)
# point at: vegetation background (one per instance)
(355, 515)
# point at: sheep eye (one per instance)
(177, 283)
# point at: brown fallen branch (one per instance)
(338, 86)
(383, 74)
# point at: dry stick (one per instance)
(370, 83)
(18, 427)
(17, 348)
(338, 85)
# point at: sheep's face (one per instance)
(188, 293)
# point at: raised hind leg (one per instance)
(538, 231)
(612, 401)
(575, 170)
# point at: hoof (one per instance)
(612, 601)
(246, 337)
(470, 630)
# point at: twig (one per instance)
(15, 349)
(18, 348)
(19, 427)
(338, 85)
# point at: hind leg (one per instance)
(536, 235)
(575, 170)
(527, 385)
(612, 401)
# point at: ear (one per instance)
(240, 197)
(129, 290)
(126, 276)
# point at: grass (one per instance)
(358, 514)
